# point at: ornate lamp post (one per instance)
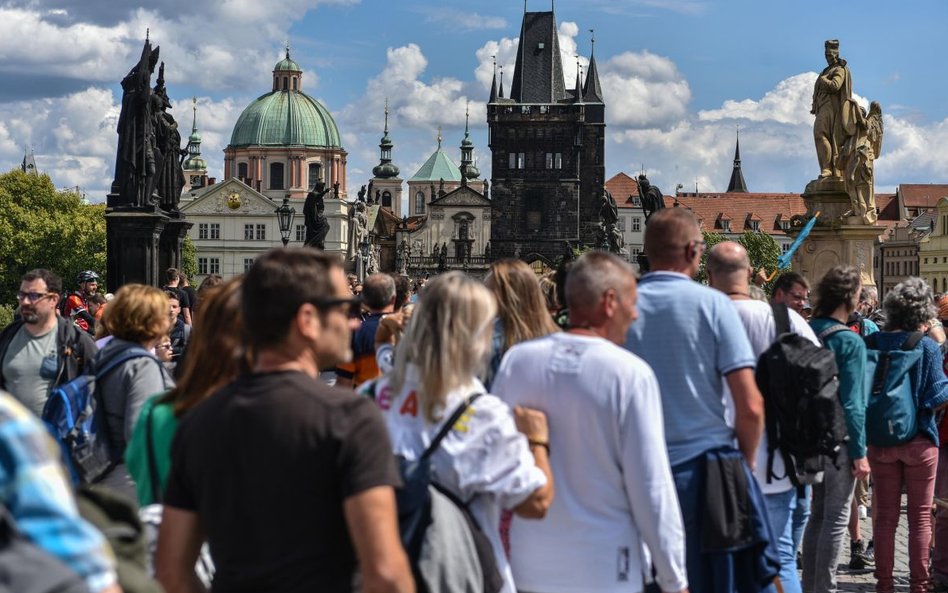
(285, 214)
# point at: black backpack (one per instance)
(415, 517)
(804, 418)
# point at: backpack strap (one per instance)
(447, 426)
(781, 318)
(836, 328)
(150, 451)
(912, 340)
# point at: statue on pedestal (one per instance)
(610, 238)
(169, 180)
(362, 194)
(317, 225)
(135, 164)
(834, 109)
(856, 161)
(403, 255)
(650, 197)
(443, 258)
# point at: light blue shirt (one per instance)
(692, 337)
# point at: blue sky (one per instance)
(679, 77)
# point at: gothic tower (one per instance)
(548, 151)
(386, 183)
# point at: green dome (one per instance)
(286, 118)
(287, 65)
(195, 137)
(195, 164)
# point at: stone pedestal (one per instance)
(836, 239)
(170, 244)
(132, 247)
(337, 214)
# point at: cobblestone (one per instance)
(863, 580)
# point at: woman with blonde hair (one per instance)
(522, 312)
(137, 319)
(494, 458)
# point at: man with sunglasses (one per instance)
(41, 350)
(290, 480)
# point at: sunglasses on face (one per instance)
(352, 307)
(32, 296)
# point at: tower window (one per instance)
(276, 175)
(420, 203)
(242, 171)
(558, 160)
(549, 160)
(294, 83)
(533, 211)
(386, 199)
(285, 83)
(315, 173)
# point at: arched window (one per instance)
(387, 199)
(294, 83)
(285, 82)
(420, 203)
(242, 171)
(276, 175)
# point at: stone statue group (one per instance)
(848, 138)
(148, 171)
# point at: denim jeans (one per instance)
(780, 512)
(826, 530)
(801, 514)
(911, 464)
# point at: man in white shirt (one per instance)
(616, 512)
(729, 270)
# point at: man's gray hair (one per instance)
(593, 274)
(378, 290)
(909, 305)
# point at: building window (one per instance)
(209, 265)
(248, 232)
(785, 247)
(300, 232)
(926, 260)
(785, 225)
(276, 175)
(261, 234)
(755, 225)
(636, 224)
(533, 211)
(525, 109)
(203, 230)
(242, 171)
(420, 203)
(387, 199)
(315, 173)
(636, 251)
(215, 230)
(520, 160)
(726, 226)
(294, 83)
(248, 263)
(558, 160)
(516, 160)
(549, 160)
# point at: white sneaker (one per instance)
(863, 512)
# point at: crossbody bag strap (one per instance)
(781, 318)
(447, 426)
(152, 461)
(830, 331)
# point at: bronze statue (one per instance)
(135, 163)
(362, 193)
(834, 109)
(169, 180)
(317, 225)
(443, 258)
(650, 197)
(856, 161)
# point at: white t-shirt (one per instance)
(614, 490)
(758, 319)
(484, 461)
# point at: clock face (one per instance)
(233, 200)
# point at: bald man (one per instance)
(693, 339)
(729, 270)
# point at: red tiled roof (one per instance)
(770, 209)
(622, 187)
(924, 195)
(888, 207)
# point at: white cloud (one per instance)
(462, 19)
(643, 90)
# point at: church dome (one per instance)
(287, 65)
(195, 163)
(286, 118)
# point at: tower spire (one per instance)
(385, 169)
(386, 116)
(579, 81)
(592, 91)
(468, 167)
(501, 82)
(737, 184)
(194, 120)
(439, 137)
(493, 84)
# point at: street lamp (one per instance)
(285, 214)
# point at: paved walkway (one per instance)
(862, 580)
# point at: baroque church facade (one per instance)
(547, 146)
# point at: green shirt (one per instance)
(163, 426)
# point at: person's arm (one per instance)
(373, 527)
(649, 486)
(832, 81)
(179, 543)
(532, 423)
(186, 314)
(851, 362)
(748, 412)
(139, 387)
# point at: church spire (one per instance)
(501, 82)
(493, 84)
(468, 168)
(578, 93)
(592, 91)
(195, 167)
(385, 169)
(29, 163)
(737, 184)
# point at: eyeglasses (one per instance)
(164, 346)
(352, 306)
(32, 296)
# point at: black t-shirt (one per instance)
(192, 296)
(267, 462)
(183, 298)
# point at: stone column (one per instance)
(836, 239)
(171, 242)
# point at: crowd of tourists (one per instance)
(294, 429)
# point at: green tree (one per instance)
(41, 227)
(189, 258)
(762, 250)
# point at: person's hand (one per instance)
(532, 423)
(860, 468)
